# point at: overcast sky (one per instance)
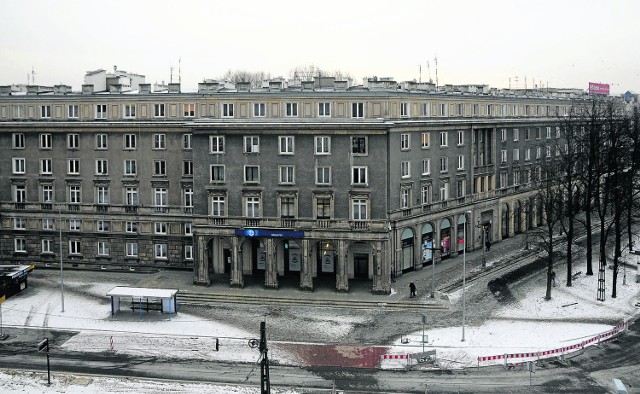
(562, 43)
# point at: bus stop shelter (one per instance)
(144, 298)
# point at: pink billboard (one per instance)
(598, 88)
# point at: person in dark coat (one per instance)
(412, 290)
(488, 245)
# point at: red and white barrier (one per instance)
(395, 356)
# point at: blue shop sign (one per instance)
(254, 232)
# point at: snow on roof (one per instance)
(125, 291)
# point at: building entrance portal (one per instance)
(326, 257)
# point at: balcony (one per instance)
(20, 206)
(46, 206)
(252, 222)
(359, 225)
(131, 209)
(160, 209)
(188, 210)
(73, 207)
(287, 222)
(102, 208)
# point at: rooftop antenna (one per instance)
(436, 60)
(179, 71)
(170, 74)
(420, 68)
(33, 76)
(429, 69)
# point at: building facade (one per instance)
(321, 182)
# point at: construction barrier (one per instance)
(395, 356)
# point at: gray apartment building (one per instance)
(320, 181)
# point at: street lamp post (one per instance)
(464, 270)
(61, 272)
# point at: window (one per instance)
(227, 110)
(217, 206)
(460, 162)
(131, 227)
(186, 141)
(405, 169)
(74, 224)
(404, 198)
(425, 194)
(19, 223)
(538, 133)
(548, 132)
(285, 145)
(74, 194)
(18, 141)
(101, 111)
(159, 141)
(444, 164)
(259, 110)
(102, 167)
(216, 144)
(188, 229)
(187, 168)
(102, 193)
(357, 110)
(20, 245)
(503, 135)
(18, 111)
(557, 132)
(217, 173)
(323, 208)
(323, 176)
(359, 175)
(159, 168)
(101, 141)
(516, 154)
(252, 174)
(73, 111)
(129, 110)
(558, 150)
(426, 109)
(503, 156)
(405, 141)
(527, 154)
(45, 141)
(47, 246)
(160, 228)
(516, 178)
(188, 198)
(489, 112)
(103, 226)
(444, 138)
(548, 150)
(130, 141)
(73, 166)
(515, 110)
(45, 111)
(189, 110)
(20, 193)
(359, 208)
(74, 247)
(461, 187)
(538, 152)
(516, 134)
(404, 109)
(130, 168)
(188, 252)
(359, 145)
(444, 191)
(527, 135)
(73, 141)
(324, 109)
(426, 166)
(444, 109)
(475, 109)
(287, 207)
(19, 165)
(160, 198)
(460, 137)
(504, 179)
(158, 110)
(323, 145)
(253, 207)
(460, 109)
(425, 140)
(160, 251)
(132, 249)
(252, 144)
(291, 109)
(286, 174)
(47, 193)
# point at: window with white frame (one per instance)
(444, 138)
(461, 187)
(130, 141)
(516, 177)
(503, 156)
(252, 206)
(217, 173)
(538, 133)
(19, 165)
(557, 132)
(188, 252)
(489, 110)
(323, 145)
(17, 140)
(323, 175)
(101, 141)
(73, 166)
(47, 246)
(527, 154)
(47, 193)
(189, 110)
(323, 207)
(74, 224)
(73, 111)
(548, 132)
(285, 145)
(158, 110)
(251, 144)
(73, 141)
(188, 229)
(19, 223)
(460, 109)
(504, 179)
(103, 226)
(444, 164)
(548, 149)
(18, 111)
(359, 145)
(102, 167)
(129, 111)
(538, 152)
(186, 141)
(160, 251)
(227, 110)
(516, 134)
(404, 198)
(45, 141)
(324, 109)
(426, 166)
(102, 194)
(426, 109)
(444, 109)
(187, 196)
(475, 109)
(45, 111)
(131, 227)
(216, 144)
(460, 137)
(460, 162)
(20, 193)
(131, 249)
(503, 135)
(160, 228)
(218, 205)
(425, 194)
(516, 154)
(286, 175)
(74, 247)
(252, 174)
(404, 109)
(160, 199)
(159, 141)
(405, 141)
(187, 168)
(291, 109)
(19, 245)
(130, 168)
(46, 166)
(425, 140)
(405, 169)
(101, 111)
(259, 110)
(287, 207)
(357, 110)
(444, 191)
(359, 208)
(159, 168)
(359, 175)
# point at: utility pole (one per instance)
(265, 385)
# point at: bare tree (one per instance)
(255, 78)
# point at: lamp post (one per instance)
(464, 270)
(61, 272)
(482, 228)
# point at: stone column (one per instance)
(381, 268)
(237, 280)
(271, 269)
(512, 215)
(342, 281)
(200, 263)
(306, 277)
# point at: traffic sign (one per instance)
(44, 345)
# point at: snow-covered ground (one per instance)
(531, 325)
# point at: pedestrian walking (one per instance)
(412, 290)
(553, 278)
(487, 245)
